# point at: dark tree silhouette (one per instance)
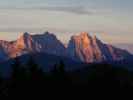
(30, 78)
(62, 67)
(60, 76)
(23, 73)
(59, 70)
(35, 72)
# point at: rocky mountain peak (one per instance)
(24, 41)
(24, 35)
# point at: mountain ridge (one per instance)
(82, 47)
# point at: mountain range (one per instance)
(81, 48)
(47, 51)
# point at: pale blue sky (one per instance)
(111, 19)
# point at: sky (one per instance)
(110, 20)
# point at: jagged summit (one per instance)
(50, 35)
(24, 41)
(90, 49)
(24, 34)
(47, 32)
(84, 35)
(81, 47)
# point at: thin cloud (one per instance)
(75, 10)
(81, 10)
(68, 9)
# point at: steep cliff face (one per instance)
(48, 43)
(90, 49)
(26, 43)
(85, 48)
(80, 47)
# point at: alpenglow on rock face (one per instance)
(85, 48)
(46, 42)
(90, 49)
(82, 47)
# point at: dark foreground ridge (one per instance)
(31, 80)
